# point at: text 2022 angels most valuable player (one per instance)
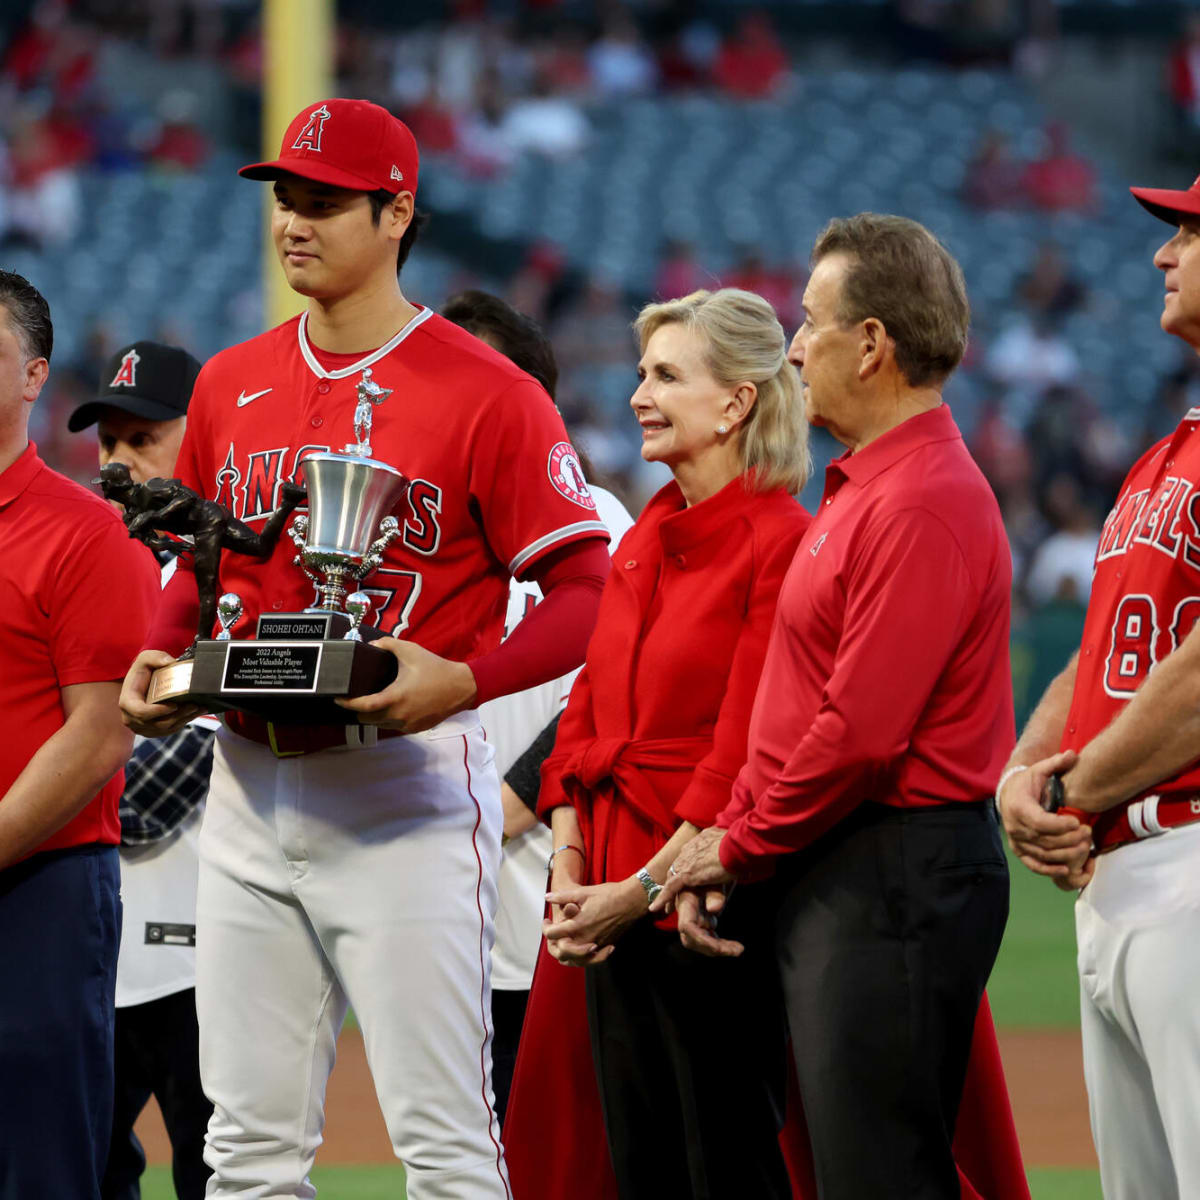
(359, 865)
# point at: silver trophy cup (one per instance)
(346, 532)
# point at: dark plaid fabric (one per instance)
(165, 779)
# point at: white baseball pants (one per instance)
(1138, 929)
(361, 876)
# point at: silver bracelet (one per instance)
(558, 850)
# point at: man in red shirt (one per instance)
(1113, 744)
(356, 864)
(76, 595)
(880, 724)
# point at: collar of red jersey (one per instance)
(936, 425)
(20, 475)
(367, 360)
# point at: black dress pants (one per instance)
(887, 931)
(157, 1053)
(508, 1019)
(690, 1056)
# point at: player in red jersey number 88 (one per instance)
(1113, 742)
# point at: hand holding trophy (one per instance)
(297, 663)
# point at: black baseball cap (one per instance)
(146, 379)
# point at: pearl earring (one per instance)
(722, 428)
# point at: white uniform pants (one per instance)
(353, 875)
(1138, 930)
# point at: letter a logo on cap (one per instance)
(125, 376)
(314, 128)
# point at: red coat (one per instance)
(678, 648)
(655, 729)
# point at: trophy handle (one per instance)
(389, 531)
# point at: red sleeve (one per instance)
(175, 619)
(908, 599)
(525, 480)
(576, 726)
(101, 610)
(174, 625)
(553, 639)
(708, 792)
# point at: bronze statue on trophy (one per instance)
(166, 506)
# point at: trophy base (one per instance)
(290, 681)
(170, 683)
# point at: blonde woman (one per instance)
(650, 743)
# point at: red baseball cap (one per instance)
(1167, 205)
(346, 143)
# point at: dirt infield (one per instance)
(1044, 1070)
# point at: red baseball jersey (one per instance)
(1146, 590)
(495, 484)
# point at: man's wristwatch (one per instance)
(1054, 795)
(648, 885)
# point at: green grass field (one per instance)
(386, 1183)
(1034, 986)
(333, 1183)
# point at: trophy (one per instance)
(297, 663)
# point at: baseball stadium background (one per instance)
(582, 158)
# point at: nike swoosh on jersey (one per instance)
(243, 399)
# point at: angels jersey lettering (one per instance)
(1146, 589)
(470, 430)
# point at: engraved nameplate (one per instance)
(292, 626)
(272, 667)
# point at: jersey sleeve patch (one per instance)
(567, 475)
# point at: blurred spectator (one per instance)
(596, 330)
(539, 286)
(562, 61)
(686, 58)
(1055, 434)
(1030, 356)
(1000, 448)
(1183, 73)
(432, 124)
(1178, 392)
(1061, 568)
(1026, 528)
(112, 137)
(1049, 288)
(751, 63)
(994, 176)
(1060, 181)
(776, 284)
(679, 272)
(621, 63)
(483, 144)
(180, 143)
(44, 194)
(459, 57)
(545, 123)
(177, 26)
(50, 52)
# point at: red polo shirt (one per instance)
(887, 675)
(75, 597)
